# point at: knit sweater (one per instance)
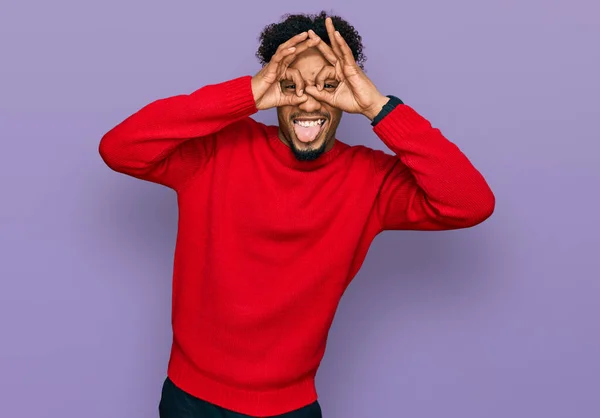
(267, 244)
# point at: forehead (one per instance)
(309, 63)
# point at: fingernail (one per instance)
(338, 34)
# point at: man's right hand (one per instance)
(266, 85)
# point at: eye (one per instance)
(328, 86)
(290, 87)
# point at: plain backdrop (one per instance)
(501, 320)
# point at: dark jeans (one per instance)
(175, 403)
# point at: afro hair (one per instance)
(275, 34)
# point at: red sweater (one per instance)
(267, 244)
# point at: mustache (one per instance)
(298, 115)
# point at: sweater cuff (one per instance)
(235, 96)
(399, 124)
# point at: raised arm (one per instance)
(429, 184)
(168, 140)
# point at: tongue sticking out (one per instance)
(306, 133)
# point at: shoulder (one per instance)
(246, 126)
(243, 131)
(378, 160)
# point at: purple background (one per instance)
(501, 320)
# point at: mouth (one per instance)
(309, 130)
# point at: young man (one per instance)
(275, 221)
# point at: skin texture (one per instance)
(306, 78)
(310, 64)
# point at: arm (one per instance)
(429, 184)
(168, 140)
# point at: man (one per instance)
(275, 221)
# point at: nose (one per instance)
(311, 105)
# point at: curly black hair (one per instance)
(275, 34)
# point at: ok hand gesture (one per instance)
(355, 92)
(266, 85)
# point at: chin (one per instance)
(309, 151)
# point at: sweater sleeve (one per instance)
(170, 139)
(429, 184)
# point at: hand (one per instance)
(353, 91)
(266, 85)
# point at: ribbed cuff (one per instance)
(400, 124)
(234, 97)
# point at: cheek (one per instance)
(334, 117)
(283, 114)
(334, 113)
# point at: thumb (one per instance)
(293, 100)
(320, 95)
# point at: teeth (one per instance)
(310, 123)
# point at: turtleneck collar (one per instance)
(284, 153)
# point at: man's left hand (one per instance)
(343, 84)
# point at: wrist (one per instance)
(376, 107)
(254, 85)
(387, 108)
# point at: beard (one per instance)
(304, 151)
(310, 154)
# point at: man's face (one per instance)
(309, 129)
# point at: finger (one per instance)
(346, 52)
(323, 47)
(327, 73)
(270, 72)
(293, 41)
(288, 47)
(320, 95)
(293, 100)
(296, 77)
(280, 55)
(332, 38)
(301, 47)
